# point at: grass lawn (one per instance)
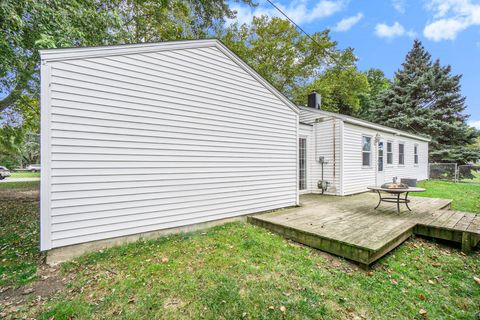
(466, 196)
(236, 271)
(19, 234)
(25, 174)
(20, 185)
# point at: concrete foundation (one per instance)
(62, 254)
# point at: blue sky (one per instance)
(382, 32)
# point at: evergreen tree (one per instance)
(425, 98)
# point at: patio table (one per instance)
(396, 198)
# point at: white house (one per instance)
(349, 154)
(139, 139)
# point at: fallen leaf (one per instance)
(431, 281)
(283, 309)
(477, 280)
(370, 273)
(421, 297)
(393, 281)
(164, 260)
(28, 291)
(423, 312)
(271, 307)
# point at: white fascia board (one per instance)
(367, 124)
(48, 55)
(126, 49)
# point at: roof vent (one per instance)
(314, 100)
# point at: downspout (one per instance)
(342, 162)
(334, 152)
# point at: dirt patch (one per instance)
(13, 299)
(173, 303)
(23, 195)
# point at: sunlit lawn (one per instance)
(238, 271)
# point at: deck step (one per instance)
(349, 227)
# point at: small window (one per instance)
(415, 154)
(401, 153)
(389, 152)
(366, 150)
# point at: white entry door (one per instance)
(380, 162)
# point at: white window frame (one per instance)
(369, 152)
(305, 172)
(415, 154)
(391, 153)
(401, 153)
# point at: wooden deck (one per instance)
(351, 228)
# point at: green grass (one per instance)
(18, 185)
(237, 271)
(25, 174)
(241, 271)
(466, 196)
(19, 236)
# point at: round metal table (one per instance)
(397, 192)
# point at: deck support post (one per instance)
(466, 242)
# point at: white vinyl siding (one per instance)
(147, 141)
(357, 178)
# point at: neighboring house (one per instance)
(355, 153)
(139, 139)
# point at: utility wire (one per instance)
(301, 29)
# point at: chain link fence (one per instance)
(454, 172)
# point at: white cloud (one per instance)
(399, 5)
(297, 10)
(347, 23)
(475, 124)
(450, 18)
(383, 30)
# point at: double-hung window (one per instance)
(366, 151)
(401, 153)
(389, 152)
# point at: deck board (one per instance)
(350, 227)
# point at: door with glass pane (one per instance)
(381, 162)
(302, 164)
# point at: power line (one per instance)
(301, 29)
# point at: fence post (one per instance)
(456, 172)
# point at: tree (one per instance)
(341, 89)
(160, 20)
(283, 55)
(28, 25)
(426, 99)
(378, 83)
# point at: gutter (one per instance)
(366, 124)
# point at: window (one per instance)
(302, 165)
(380, 156)
(366, 150)
(389, 152)
(401, 153)
(415, 154)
